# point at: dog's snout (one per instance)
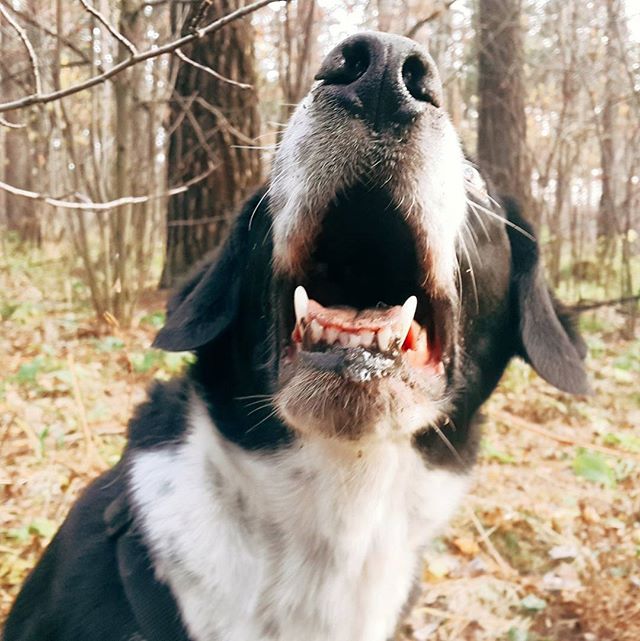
(383, 78)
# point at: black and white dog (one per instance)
(364, 306)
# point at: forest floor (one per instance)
(547, 548)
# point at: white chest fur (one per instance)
(319, 542)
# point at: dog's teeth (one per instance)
(421, 343)
(331, 335)
(300, 302)
(366, 338)
(354, 340)
(316, 330)
(384, 339)
(407, 314)
(344, 338)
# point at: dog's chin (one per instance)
(357, 395)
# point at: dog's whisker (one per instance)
(480, 220)
(442, 436)
(253, 213)
(273, 147)
(505, 221)
(470, 271)
(253, 428)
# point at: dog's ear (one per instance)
(208, 301)
(550, 343)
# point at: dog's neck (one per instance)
(291, 544)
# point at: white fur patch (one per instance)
(320, 541)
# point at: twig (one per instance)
(159, 3)
(210, 71)
(110, 28)
(25, 17)
(198, 15)
(505, 568)
(193, 222)
(11, 125)
(28, 46)
(40, 98)
(585, 306)
(31, 436)
(509, 419)
(222, 120)
(111, 204)
(90, 448)
(442, 614)
(432, 16)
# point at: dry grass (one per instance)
(546, 549)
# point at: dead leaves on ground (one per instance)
(546, 549)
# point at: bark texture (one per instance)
(210, 118)
(502, 125)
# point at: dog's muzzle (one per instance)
(367, 198)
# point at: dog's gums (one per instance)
(380, 330)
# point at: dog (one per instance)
(364, 306)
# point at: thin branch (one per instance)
(210, 71)
(87, 205)
(27, 45)
(110, 28)
(159, 3)
(197, 17)
(223, 120)
(25, 17)
(505, 568)
(511, 420)
(40, 98)
(432, 16)
(11, 125)
(587, 305)
(193, 222)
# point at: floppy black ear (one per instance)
(208, 302)
(550, 341)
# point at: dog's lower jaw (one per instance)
(320, 541)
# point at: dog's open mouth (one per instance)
(362, 308)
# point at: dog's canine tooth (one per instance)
(407, 314)
(300, 302)
(316, 331)
(384, 339)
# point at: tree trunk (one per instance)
(607, 211)
(21, 159)
(209, 116)
(502, 126)
(296, 53)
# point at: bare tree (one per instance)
(502, 128)
(214, 122)
(297, 52)
(22, 160)
(607, 210)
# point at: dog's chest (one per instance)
(318, 542)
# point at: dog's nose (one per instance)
(383, 78)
